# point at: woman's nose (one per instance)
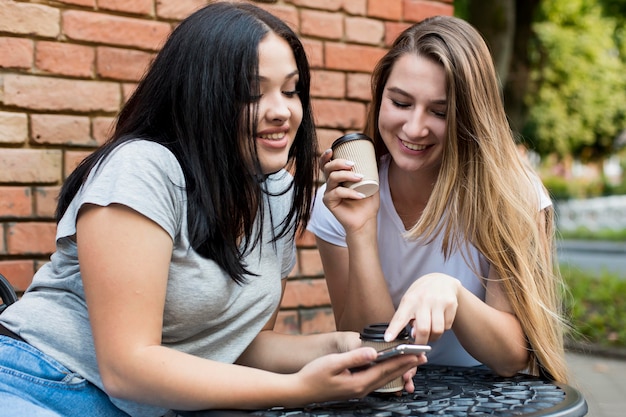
(416, 126)
(277, 108)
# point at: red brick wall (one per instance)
(66, 67)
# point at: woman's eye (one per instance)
(441, 114)
(400, 104)
(291, 94)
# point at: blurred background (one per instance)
(562, 64)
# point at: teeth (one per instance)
(273, 136)
(413, 146)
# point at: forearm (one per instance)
(367, 298)
(492, 336)
(286, 353)
(171, 379)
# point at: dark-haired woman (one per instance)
(174, 240)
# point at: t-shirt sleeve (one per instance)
(544, 198)
(142, 175)
(323, 222)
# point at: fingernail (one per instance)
(327, 151)
(388, 338)
(362, 195)
(359, 176)
(350, 163)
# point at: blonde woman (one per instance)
(459, 240)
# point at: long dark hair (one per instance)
(194, 100)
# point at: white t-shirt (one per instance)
(403, 261)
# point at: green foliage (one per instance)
(461, 8)
(561, 188)
(578, 103)
(584, 233)
(596, 307)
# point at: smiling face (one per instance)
(412, 117)
(278, 106)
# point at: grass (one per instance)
(596, 307)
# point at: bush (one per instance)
(596, 307)
(585, 233)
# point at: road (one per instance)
(594, 256)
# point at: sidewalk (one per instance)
(602, 381)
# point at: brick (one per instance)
(15, 202)
(418, 10)
(56, 94)
(56, 129)
(13, 127)
(331, 5)
(385, 9)
(127, 90)
(287, 322)
(364, 30)
(306, 293)
(355, 7)
(359, 87)
(306, 240)
(122, 64)
(393, 30)
(46, 201)
(31, 238)
(142, 7)
(102, 128)
(314, 52)
(339, 114)
(179, 9)
(317, 321)
(72, 159)
(16, 53)
(65, 59)
(29, 19)
(114, 30)
(359, 58)
(310, 263)
(22, 166)
(328, 84)
(321, 24)
(287, 14)
(325, 138)
(19, 273)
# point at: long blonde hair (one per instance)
(485, 193)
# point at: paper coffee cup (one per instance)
(373, 336)
(359, 148)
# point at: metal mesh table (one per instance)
(448, 391)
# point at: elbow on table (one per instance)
(509, 368)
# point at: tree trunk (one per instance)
(516, 85)
(507, 28)
(495, 19)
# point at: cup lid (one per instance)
(376, 332)
(350, 136)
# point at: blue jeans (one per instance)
(32, 384)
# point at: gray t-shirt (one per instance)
(206, 313)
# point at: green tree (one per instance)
(578, 103)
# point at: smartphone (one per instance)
(403, 349)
